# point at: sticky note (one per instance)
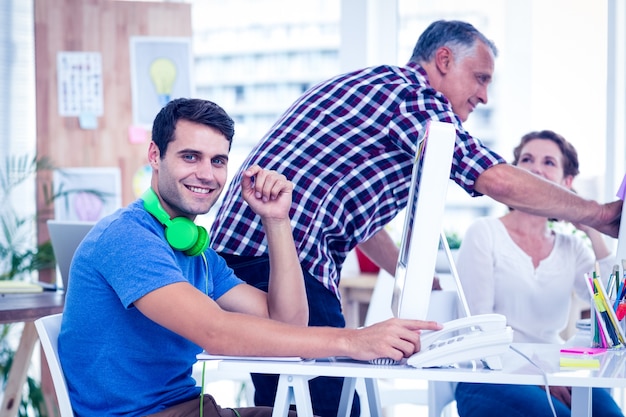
(589, 363)
(137, 134)
(88, 121)
(583, 350)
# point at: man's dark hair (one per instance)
(459, 36)
(194, 110)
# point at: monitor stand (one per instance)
(455, 275)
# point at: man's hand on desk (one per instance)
(393, 338)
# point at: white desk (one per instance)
(294, 377)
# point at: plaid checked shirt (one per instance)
(348, 146)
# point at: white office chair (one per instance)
(442, 308)
(48, 330)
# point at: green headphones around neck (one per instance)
(181, 233)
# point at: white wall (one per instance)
(555, 78)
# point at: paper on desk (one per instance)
(19, 287)
(207, 356)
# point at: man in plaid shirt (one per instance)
(348, 146)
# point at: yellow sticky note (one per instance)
(580, 363)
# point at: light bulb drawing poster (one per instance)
(160, 72)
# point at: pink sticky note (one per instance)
(583, 351)
(137, 134)
(621, 193)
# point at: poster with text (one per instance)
(79, 82)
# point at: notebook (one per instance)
(65, 237)
(8, 287)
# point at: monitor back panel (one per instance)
(65, 237)
(423, 222)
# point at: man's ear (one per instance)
(443, 59)
(153, 155)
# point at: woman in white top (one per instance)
(518, 266)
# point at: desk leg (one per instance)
(371, 392)
(347, 396)
(293, 388)
(581, 401)
(373, 397)
(18, 372)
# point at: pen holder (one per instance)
(608, 327)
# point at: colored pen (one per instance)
(612, 323)
(599, 336)
(617, 280)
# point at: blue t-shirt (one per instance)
(116, 361)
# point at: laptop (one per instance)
(65, 237)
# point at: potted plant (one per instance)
(20, 256)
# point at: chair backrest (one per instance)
(48, 330)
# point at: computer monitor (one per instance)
(423, 222)
(65, 237)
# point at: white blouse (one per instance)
(499, 277)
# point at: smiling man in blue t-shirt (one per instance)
(146, 294)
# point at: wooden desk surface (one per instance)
(362, 281)
(29, 307)
(26, 308)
